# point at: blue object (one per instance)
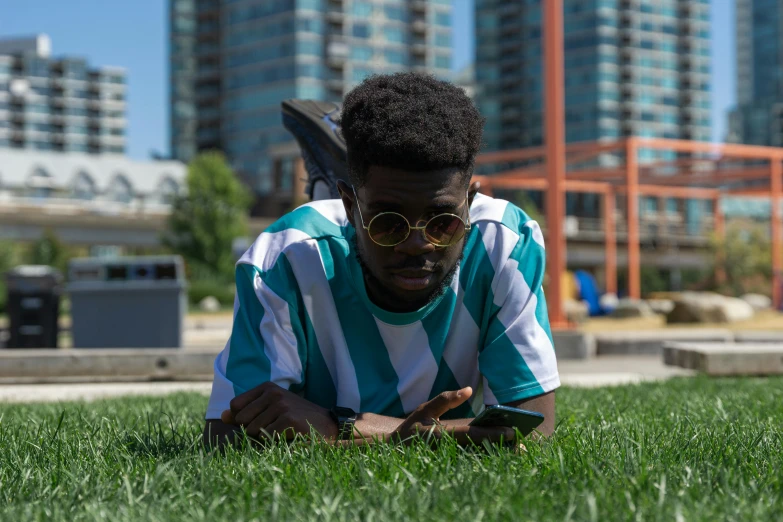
(588, 291)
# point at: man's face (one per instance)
(404, 277)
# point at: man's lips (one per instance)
(412, 273)
(413, 280)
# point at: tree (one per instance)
(49, 250)
(744, 255)
(522, 199)
(207, 217)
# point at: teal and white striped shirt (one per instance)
(302, 319)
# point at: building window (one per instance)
(394, 34)
(442, 62)
(395, 12)
(168, 190)
(361, 53)
(40, 184)
(443, 19)
(120, 190)
(361, 8)
(395, 56)
(361, 30)
(443, 39)
(83, 187)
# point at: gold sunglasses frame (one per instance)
(366, 227)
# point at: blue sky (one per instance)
(134, 35)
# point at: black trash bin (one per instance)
(33, 306)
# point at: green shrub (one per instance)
(198, 290)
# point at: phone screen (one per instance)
(503, 416)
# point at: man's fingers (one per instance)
(246, 415)
(445, 401)
(240, 402)
(279, 429)
(263, 421)
(227, 417)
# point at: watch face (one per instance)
(344, 412)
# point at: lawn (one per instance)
(687, 449)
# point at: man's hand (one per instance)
(270, 411)
(425, 420)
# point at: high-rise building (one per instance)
(758, 117)
(59, 104)
(232, 63)
(633, 68)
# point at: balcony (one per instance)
(335, 17)
(419, 27)
(337, 51)
(418, 6)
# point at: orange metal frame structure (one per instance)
(689, 181)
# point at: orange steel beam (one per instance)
(610, 243)
(503, 156)
(591, 187)
(776, 182)
(718, 176)
(520, 183)
(758, 192)
(597, 174)
(632, 191)
(596, 147)
(671, 192)
(719, 150)
(678, 164)
(554, 132)
(524, 172)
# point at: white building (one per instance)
(61, 103)
(86, 198)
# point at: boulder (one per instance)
(758, 301)
(627, 307)
(706, 307)
(209, 304)
(608, 302)
(661, 306)
(576, 311)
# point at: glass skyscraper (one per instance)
(758, 117)
(59, 104)
(633, 68)
(234, 61)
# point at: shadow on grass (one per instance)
(160, 441)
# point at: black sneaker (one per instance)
(316, 127)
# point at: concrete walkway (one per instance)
(600, 371)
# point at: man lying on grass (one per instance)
(403, 307)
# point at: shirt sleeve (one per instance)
(517, 359)
(267, 339)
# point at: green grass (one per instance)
(693, 449)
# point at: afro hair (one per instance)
(410, 121)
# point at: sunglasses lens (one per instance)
(388, 229)
(445, 230)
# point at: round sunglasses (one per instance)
(389, 229)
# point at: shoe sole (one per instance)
(313, 125)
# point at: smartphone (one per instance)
(504, 416)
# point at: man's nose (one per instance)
(415, 245)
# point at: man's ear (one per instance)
(472, 191)
(346, 195)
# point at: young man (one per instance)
(404, 306)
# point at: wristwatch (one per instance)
(345, 419)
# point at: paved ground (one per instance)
(602, 371)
